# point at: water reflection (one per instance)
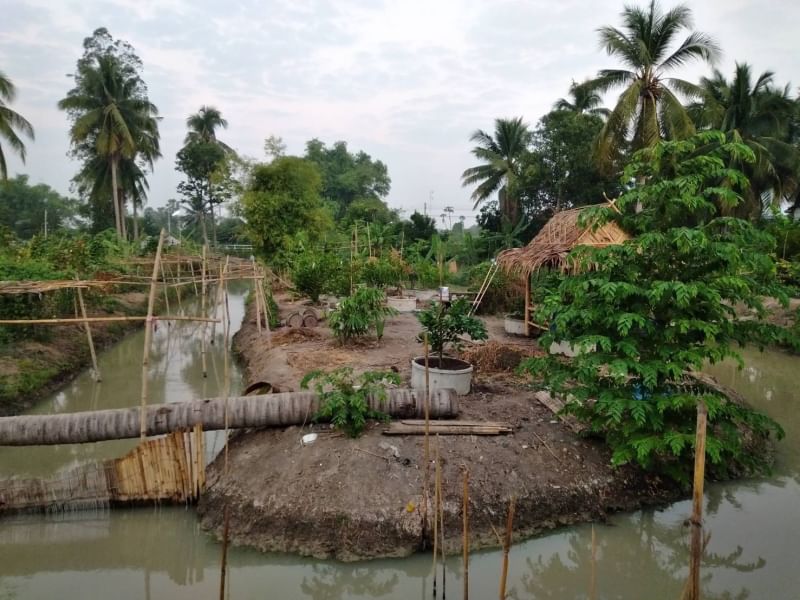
(161, 553)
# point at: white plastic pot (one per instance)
(514, 326)
(403, 304)
(458, 378)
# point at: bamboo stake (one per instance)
(226, 370)
(426, 442)
(81, 320)
(203, 291)
(440, 510)
(593, 578)
(224, 566)
(176, 279)
(194, 277)
(527, 304)
(148, 335)
(95, 368)
(266, 315)
(165, 285)
(697, 503)
(465, 534)
(257, 297)
(436, 517)
(507, 546)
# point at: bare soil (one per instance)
(352, 499)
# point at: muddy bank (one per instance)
(352, 499)
(31, 369)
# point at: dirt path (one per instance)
(351, 499)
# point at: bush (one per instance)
(445, 324)
(312, 274)
(661, 306)
(357, 315)
(344, 399)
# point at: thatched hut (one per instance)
(552, 245)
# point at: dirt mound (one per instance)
(493, 357)
(291, 335)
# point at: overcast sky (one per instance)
(406, 81)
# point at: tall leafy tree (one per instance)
(347, 176)
(648, 109)
(503, 156)
(11, 123)
(113, 120)
(754, 111)
(583, 99)
(25, 208)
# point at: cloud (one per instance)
(405, 81)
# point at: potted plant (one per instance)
(444, 325)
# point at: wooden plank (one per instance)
(436, 428)
(556, 406)
(458, 423)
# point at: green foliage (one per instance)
(312, 273)
(445, 324)
(381, 272)
(284, 199)
(344, 398)
(348, 178)
(358, 314)
(660, 307)
(12, 124)
(23, 207)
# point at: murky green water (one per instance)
(161, 553)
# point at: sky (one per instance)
(406, 81)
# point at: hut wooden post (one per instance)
(203, 292)
(697, 504)
(95, 368)
(148, 335)
(527, 304)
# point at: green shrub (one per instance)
(358, 314)
(312, 274)
(661, 306)
(344, 398)
(445, 324)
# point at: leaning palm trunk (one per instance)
(114, 195)
(275, 410)
(123, 217)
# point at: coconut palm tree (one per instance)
(9, 122)
(203, 126)
(758, 114)
(503, 157)
(112, 114)
(648, 109)
(583, 99)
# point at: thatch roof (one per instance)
(553, 243)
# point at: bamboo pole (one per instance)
(148, 335)
(507, 546)
(593, 576)
(465, 533)
(527, 304)
(440, 516)
(257, 298)
(435, 519)
(224, 565)
(194, 277)
(697, 503)
(165, 285)
(81, 320)
(225, 366)
(204, 329)
(266, 315)
(426, 442)
(95, 368)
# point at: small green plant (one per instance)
(358, 314)
(344, 398)
(445, 324)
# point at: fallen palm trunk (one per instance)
(272, 410)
